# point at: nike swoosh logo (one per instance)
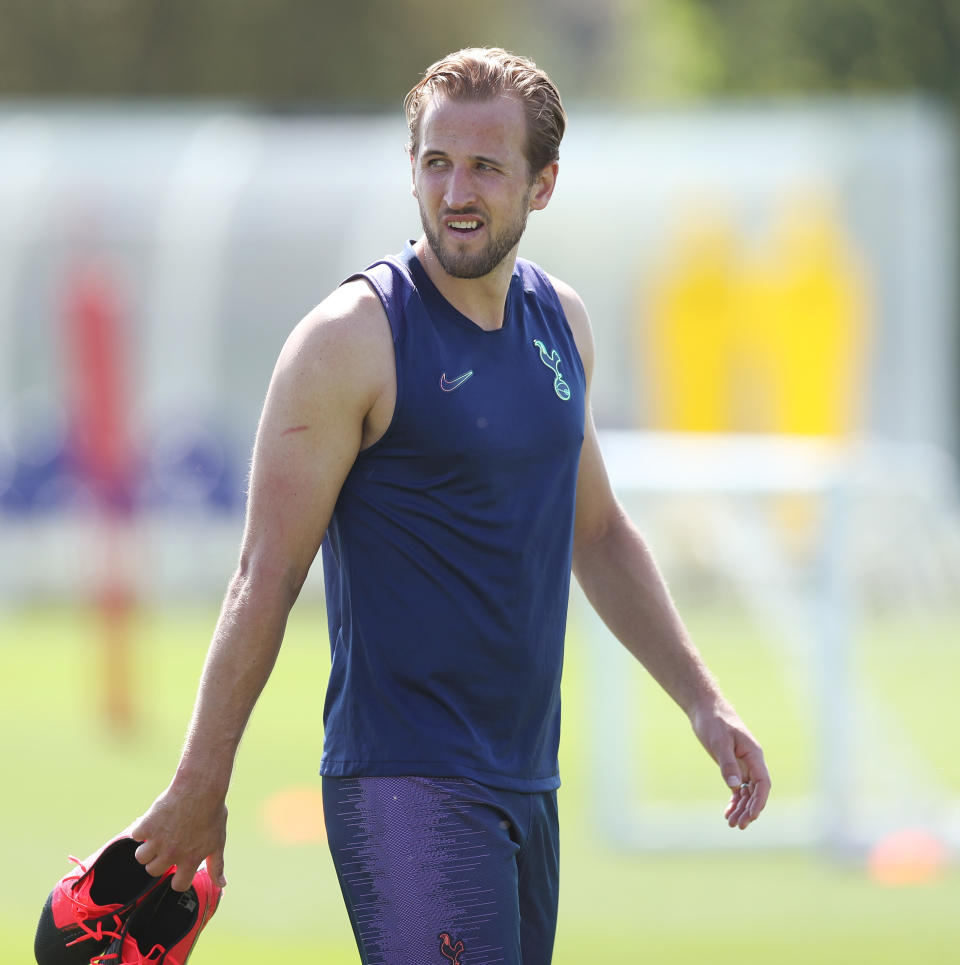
(448, 386)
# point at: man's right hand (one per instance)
(183, 828)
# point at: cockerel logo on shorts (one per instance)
(451, 949)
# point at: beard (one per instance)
(458, 263)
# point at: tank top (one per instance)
(447, 558)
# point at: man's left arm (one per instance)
(620, 579)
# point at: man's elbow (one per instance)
(266, 580)
(592, 537)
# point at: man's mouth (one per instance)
(464, 226)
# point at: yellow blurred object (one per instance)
(770, 343)
(819, 331)
(693, 314)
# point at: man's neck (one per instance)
(482, 300)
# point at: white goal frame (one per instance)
(815, 626)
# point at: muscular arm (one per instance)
(620, 579)
(329, 387)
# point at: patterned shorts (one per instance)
(445, 871)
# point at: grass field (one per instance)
(69, 785)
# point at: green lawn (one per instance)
(69, 785)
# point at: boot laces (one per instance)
(81, 912)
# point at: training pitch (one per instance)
(69, 784)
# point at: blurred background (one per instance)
(758, 202)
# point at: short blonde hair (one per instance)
(480, 73)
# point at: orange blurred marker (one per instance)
(908, 857)
(295, 816)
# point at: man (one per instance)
(430, 423)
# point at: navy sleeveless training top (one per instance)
(447, 558)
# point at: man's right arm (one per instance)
(329, 384)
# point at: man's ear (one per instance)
(542, 188)
(413, 175)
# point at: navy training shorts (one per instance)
(445, 871)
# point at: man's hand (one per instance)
(182, 828)
(740, 759)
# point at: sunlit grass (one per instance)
(69, 785)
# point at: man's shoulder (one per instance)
(351, 314)
(345, 336)
(352, 304)
(577, 318)
(571, 301)
(567, 295)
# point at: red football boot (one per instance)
(88, 906)
(163, 929)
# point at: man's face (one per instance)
(472, 182)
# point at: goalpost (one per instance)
(809, 613)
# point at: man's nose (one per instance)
(460, 191)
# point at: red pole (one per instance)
(103, 454)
